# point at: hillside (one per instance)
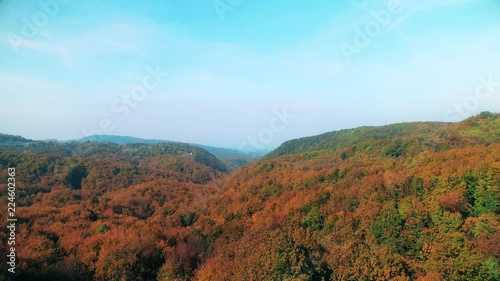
(119, 139)
(413, 201)
(403, 137)
(93, 169)
(230, 157)
(12, 139)
(416, 201)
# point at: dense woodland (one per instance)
(411, 201)
(230, 157)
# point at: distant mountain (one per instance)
(9, 138)
(119, 139)
(230, 157)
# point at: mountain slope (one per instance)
(418, 135)
(231, 157)
(119, 139)
(414, 201)
(352, 205)
(11, 139)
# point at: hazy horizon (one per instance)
(242, 73)
(216, 145)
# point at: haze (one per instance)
(224, 72)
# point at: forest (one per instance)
(410, 201)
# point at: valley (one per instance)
(409, 201)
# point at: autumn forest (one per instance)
(409, 201)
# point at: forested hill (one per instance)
(41, 159)
(85, 149)
(414, 201)
(119, 139)
(232, 158)
(12, 139)
(399, 139)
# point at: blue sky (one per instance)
(242, 73)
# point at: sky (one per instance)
(246, 74)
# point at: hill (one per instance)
(12, 139)
(416, 135)
(413, 201)
(119, 139)
(230, 157)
